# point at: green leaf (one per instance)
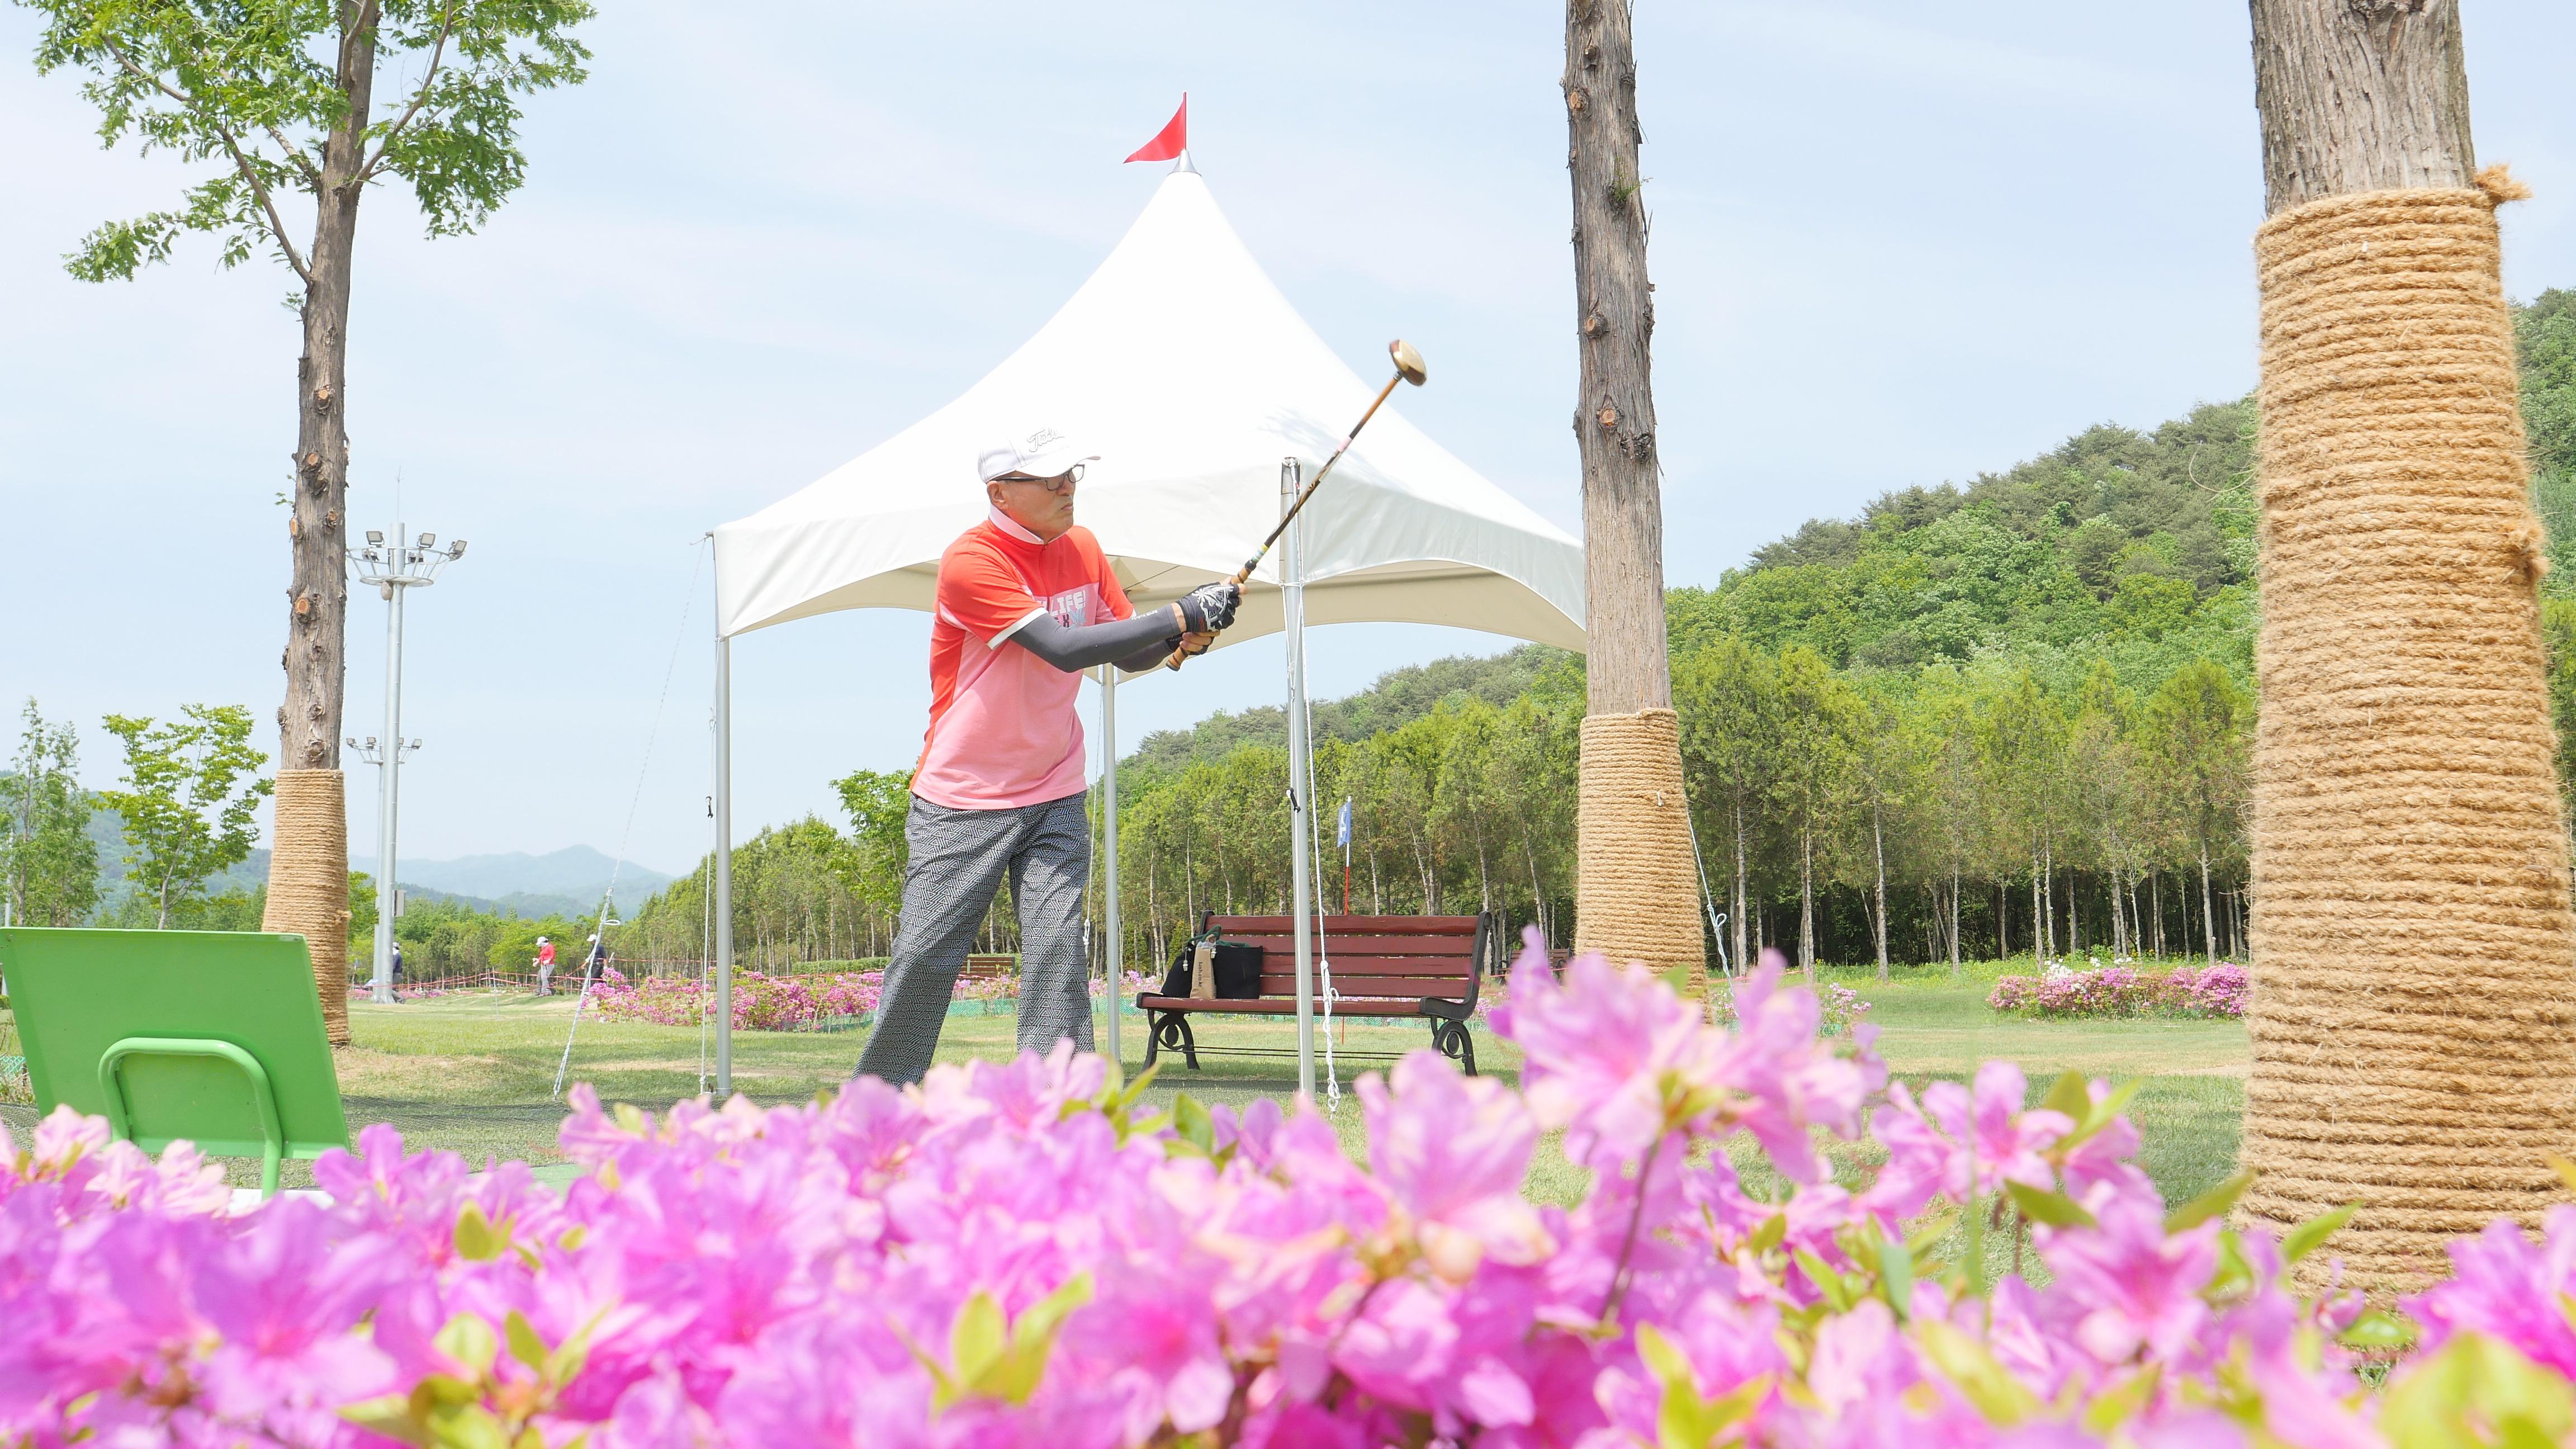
(1827, 1281)
(1684, 1419)
(2235, 1275)
(2098, 1115)
(469, 1341)
(525, 1346)
(2210, 1204)
(2375, 1329)
(1984, 1382)
(2477, 1392)
(2121, 1402)
(389, 1416)
(977, 1338)
(2055, 1209)
(478, 1239)
(1190, 1120)
(1014, 1374)
(2307, 1237)
(1896, 1276)
(1773, 1232)
(2070, 1097)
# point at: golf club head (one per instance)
(1408, 363)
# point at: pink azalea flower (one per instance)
(2505, 1286)
(2128, 1285)
(1990, 1126)
(1606, 1051)
(1452, 1151)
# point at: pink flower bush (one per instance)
(1022, 1254)
(2116, 991)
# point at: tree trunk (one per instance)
(1807, 900)
(1878, 842)
(1742, 904)
(2075, 915)
(308, 881)
(2360, 95)
(1954, 920)
(1636, 888)
(2208, 913)
(2412, 917)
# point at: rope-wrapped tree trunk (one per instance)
(2414, 1009)
(1636, 894)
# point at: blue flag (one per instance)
(1342, 832)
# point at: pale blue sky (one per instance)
(1894, 244)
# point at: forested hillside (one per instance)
(1979, 719)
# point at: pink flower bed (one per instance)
(782, 1003)
(2120, 991)
(1022, 1255)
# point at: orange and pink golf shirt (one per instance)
(1003, 731)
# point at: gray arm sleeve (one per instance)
(1131, 644)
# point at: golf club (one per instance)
(1408, 368)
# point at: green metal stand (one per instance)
(272, 1130)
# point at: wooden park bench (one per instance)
(1425, 966)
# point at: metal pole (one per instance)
(724, 868)
(1109, 842)
(389, 782)
(1292, 599)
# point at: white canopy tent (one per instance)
(1206, 397)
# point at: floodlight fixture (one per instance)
(375, 538)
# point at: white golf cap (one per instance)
(1043, 453)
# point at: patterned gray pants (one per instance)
(958, 860)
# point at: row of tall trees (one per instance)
(1854, 815)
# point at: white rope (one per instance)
(1708, 900)
(1323, 947)
(634, 803)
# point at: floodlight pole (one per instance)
(724, 867)
(395, 568)
(1292, 603)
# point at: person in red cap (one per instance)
(1026, 603)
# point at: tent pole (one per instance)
(724, 868)
(1109, 842)
(1292, 602)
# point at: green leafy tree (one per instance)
(272, 107)
(1728, 694)
(191, 788)
(2198, 726)
(46, 854)
(878, 803)
(1820, 725)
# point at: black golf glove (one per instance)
(1209, 607)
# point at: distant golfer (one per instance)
(594, 963)
(545, 964)
(1026, 602)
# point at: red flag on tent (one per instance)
(1171, 141)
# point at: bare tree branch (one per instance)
(241, 161)
(419, 96)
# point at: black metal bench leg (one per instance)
(1456, 1043)
(1171, 1030)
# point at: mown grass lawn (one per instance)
(473, 1073)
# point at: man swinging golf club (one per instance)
(1026, 602)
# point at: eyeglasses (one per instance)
(1056, 484)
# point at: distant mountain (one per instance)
(569, 881)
